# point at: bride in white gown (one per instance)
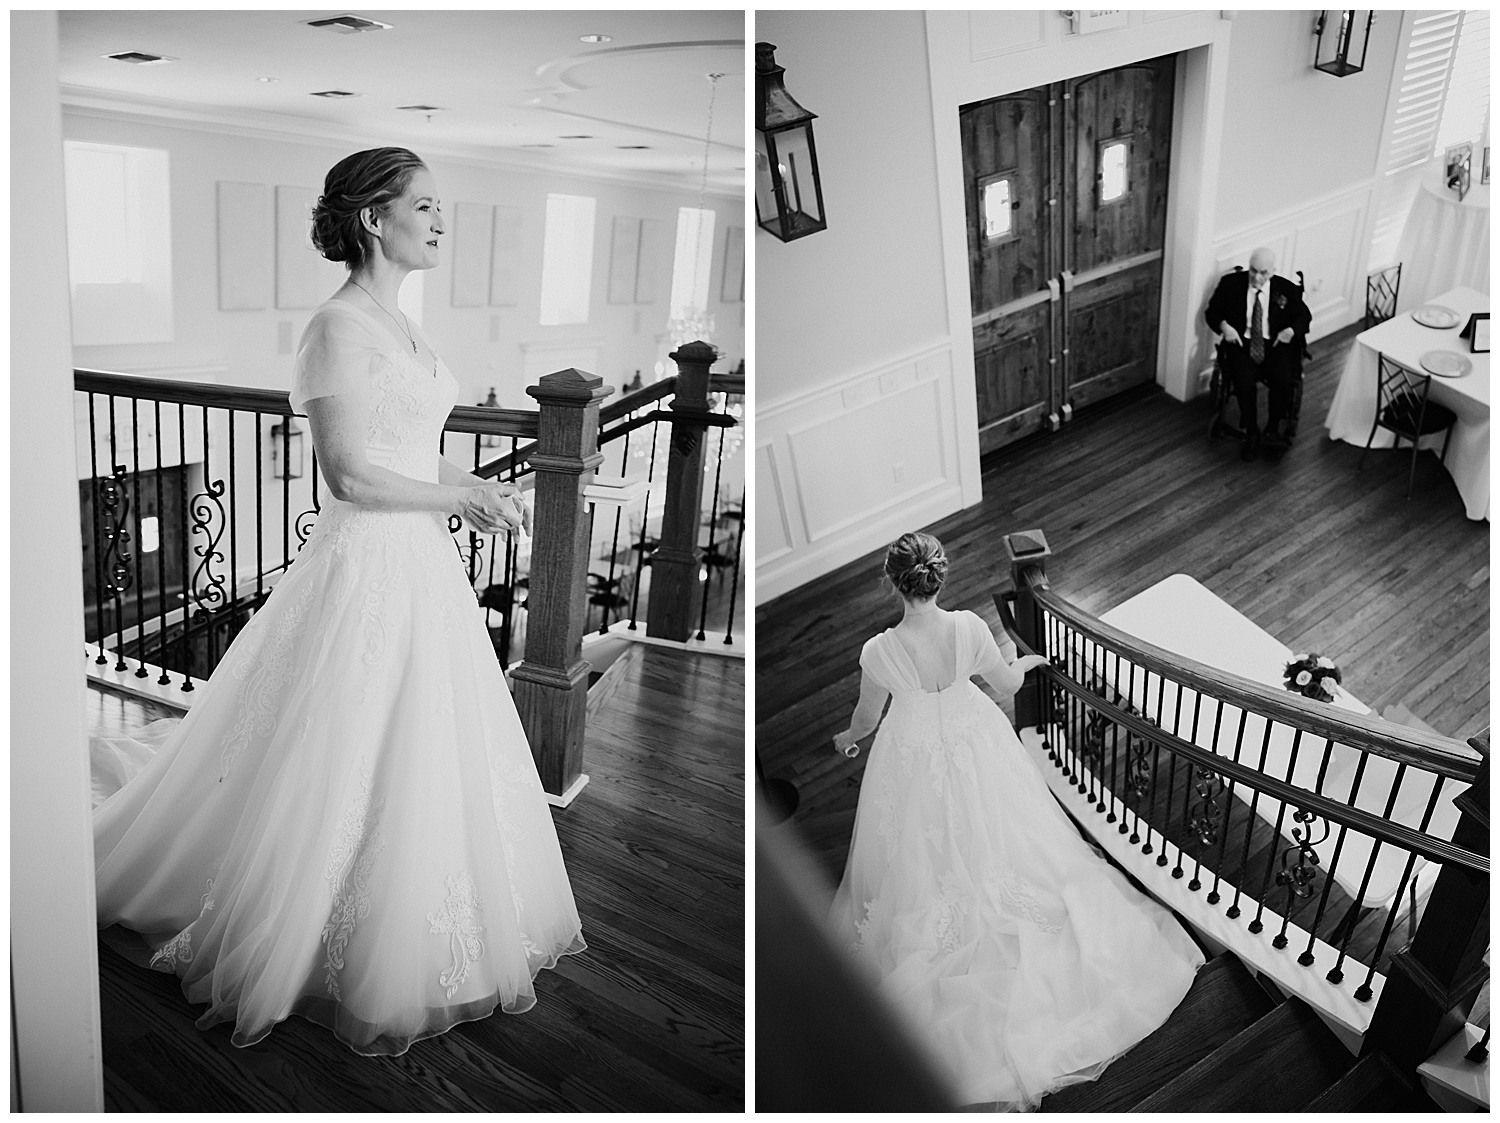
(348, 824)
(1022, 958)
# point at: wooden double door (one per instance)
(1067, 203)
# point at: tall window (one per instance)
(118, 208)
(1440, 97)
(568, 259)
(692, 260)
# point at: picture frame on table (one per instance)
(1477, 332)
(1457, 160)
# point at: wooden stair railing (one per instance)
(1125, 725)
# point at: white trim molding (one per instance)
(843, 469)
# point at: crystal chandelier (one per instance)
(694, 323)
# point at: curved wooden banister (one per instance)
(1445, 756)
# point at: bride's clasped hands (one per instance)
(494, 508)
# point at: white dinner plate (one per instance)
(1445, 364)
(1436, 316)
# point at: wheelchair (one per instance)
(1223, 393)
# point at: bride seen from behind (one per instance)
(1023, 959)
(348, 824)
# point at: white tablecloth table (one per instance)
(1405, 341)
(1180, 615)
(1445, 243)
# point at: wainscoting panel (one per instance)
(845, 468)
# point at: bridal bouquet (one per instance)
(1313, 676)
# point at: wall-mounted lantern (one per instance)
(490, 440)
(1343, 40)
(788, 186)
(286, 450)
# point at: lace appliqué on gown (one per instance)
(348, 872)
(455, 920)
(179, 949)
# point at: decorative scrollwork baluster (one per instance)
(1204, 821)
(1299, 875)
(116, 558)
(1137, 767)
(472, 555)
(303, 526)
(210, 521)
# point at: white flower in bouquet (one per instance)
(1328, 682)
(1303, 678)
(1325, 662)
(1300, 658)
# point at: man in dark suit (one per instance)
(1263, 323)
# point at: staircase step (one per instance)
(1224, 999)
(1372, 1085)
(603, 685)
(1281, 1063)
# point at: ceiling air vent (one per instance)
(334, 93)
(349, 25)
(139, 58)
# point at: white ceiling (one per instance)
(504, 80)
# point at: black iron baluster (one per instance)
(140, 581)
(208, 594)
(1205, 824)
(182, 495)
(1188, 789)
(234, 570)
(1265, 886)
(96, 491)
(713, 530)
(1364, 993)
(1233, 911)
(1351, 918)
(161, 556)
(640, 561)
(286, 493)
(734, 587)
(1166, 819)
(260, 518)
(116, 559)
(1335, 975)
(1229, 813)
(306, 519)
(1151, 785)
(614, 547)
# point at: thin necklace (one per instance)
(387, 311)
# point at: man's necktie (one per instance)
(1257, 332)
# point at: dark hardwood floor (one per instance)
(650, 1018)
(1322, 556)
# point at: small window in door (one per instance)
(997, 207)
(1114, 169)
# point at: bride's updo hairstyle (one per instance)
(376, 177)
(916, 565)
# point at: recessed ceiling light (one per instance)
(577, 136)
(268, 79)
(538, 146)
(139, 58)
(349, 24)
(334, 93)
(595, 38)
(421, 108)
(630, 146)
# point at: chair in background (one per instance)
(1401, 406)
(1381, 290)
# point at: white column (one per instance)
(54, 959)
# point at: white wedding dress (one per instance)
(1023, 959)
(347, 825)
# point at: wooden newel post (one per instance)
(551, 686)
(1434, 980)
(1028, 549)
(675, 562)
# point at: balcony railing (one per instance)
(197, 497)
(1308, 839)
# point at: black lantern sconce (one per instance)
(788, 188)
(1340, 34)
(286, 450)
(490, 440)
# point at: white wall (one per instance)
(483, 346)
(1266, 151)
(54, 975)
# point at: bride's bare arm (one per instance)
(872, 699)
(339, 423)
(1007, 678)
